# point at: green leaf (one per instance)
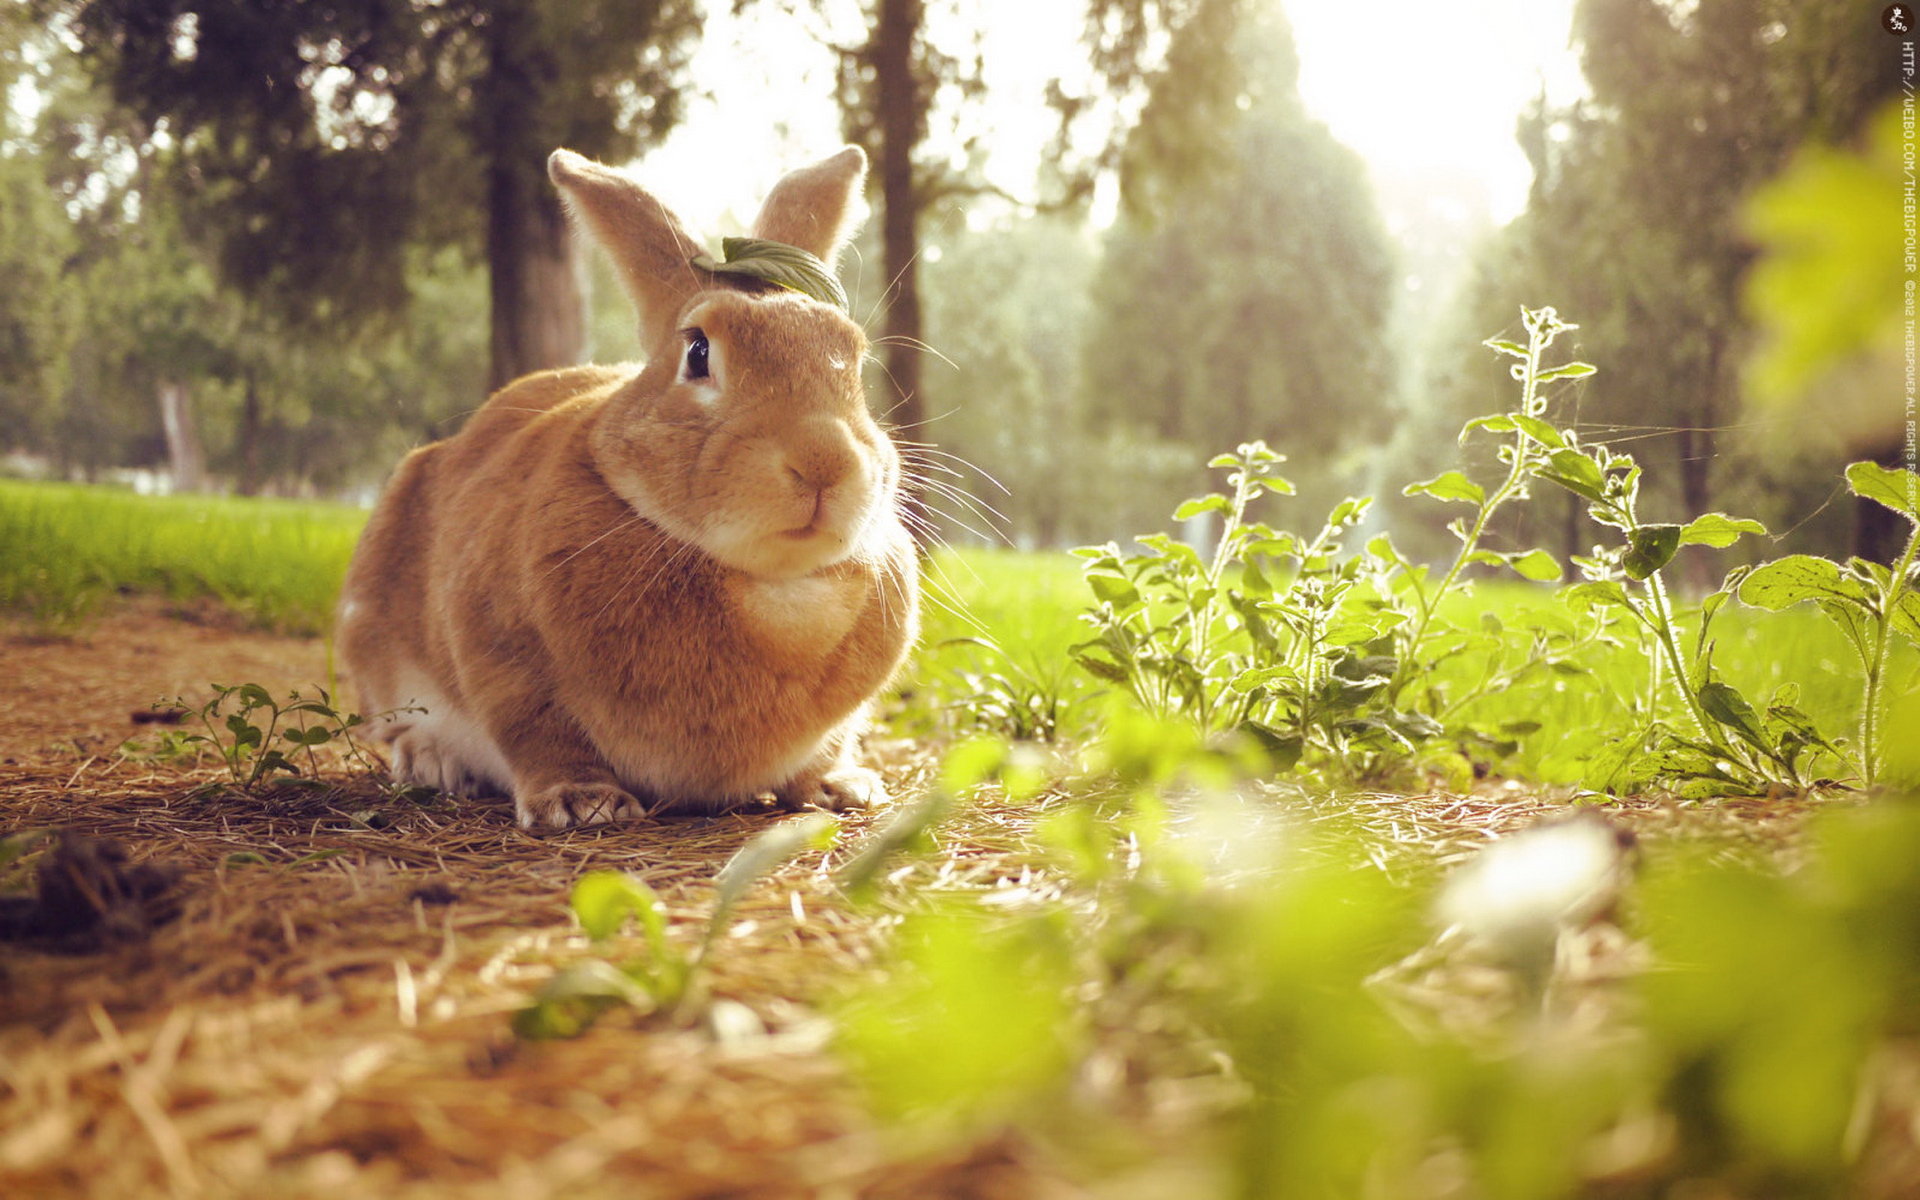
(575, 997)
(1898, 490)
(1495, 424)
(1540, 431)
(1572, 370)
(909, 826)
(768, 850)
(244, 732)
(1101, 668)
(1787, 581)
(1594, 593)
(1726, 705)
(1114, 588)
(1537, 565)
(777, 263)
(1505, 347)
(1576, 472)
(1451, 485)
(1718, 530)
(1649, 548)
(1906, 617)
(603, 900)
(1256, 677)
(1213, 502)
(1283, 748)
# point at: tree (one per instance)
(1635, 226)
(1010, 404)
(1154, 52)
(316, 142)
(1256, 305)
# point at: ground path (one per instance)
(328, 1013)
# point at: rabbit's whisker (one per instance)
(630, 520)
(914, 343)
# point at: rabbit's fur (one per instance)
(623, 589)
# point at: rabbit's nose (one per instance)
(826, 456)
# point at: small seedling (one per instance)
(259, 739)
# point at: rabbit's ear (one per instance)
(651, 249)
(811, 206)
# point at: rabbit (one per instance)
(676, 586)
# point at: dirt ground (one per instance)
(320, 1003)
(309, 993)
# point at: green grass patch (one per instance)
(65, 549)
(1030, 605)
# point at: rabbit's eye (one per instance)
(697, 353)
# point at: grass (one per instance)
(65, 549)
(1028, 603)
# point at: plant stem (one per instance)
(1516, 475)
(1663, 629)
(1876, 669)
(1244, 487)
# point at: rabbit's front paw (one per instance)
(423, 760)
(836, 791)
(561, 805)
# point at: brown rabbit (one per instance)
(623, 589)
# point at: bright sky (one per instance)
(1424, 87)
(1424, 90)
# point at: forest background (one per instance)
(265, 248)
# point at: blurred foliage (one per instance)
(1254, 975)
(1825, 290)
(666, 980)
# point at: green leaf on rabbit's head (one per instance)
(777, 263)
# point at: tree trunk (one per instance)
(1879, 533)
(902, 119)
(251, 422)
(186, 458)
(1696, 470)
(538, 315)
(1573, 532)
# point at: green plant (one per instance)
(1730, 746)
(666, 979)
(1015, 699)
(258, 738)
(1269, 635)
(1352, 661)
(1868, 602)
(1424, 638)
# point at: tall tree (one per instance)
(312, 143)
(1254, 304)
